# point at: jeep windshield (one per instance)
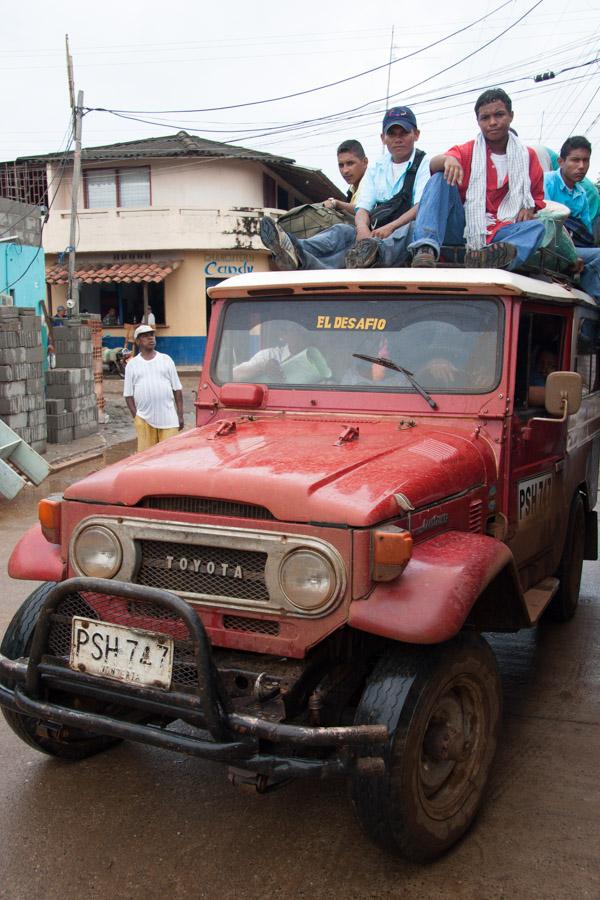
(447, 344)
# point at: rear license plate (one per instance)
(132, 655)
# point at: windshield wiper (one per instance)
(390, 364)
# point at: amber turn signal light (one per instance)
(392, 551)
(49, 516)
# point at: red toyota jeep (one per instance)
(386, 464)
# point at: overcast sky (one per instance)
(149, 57)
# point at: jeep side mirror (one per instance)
(561, 387)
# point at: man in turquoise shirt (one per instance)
(564, 186)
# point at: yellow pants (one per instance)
(148, 436)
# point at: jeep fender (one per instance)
(34, 559)
(452, 578)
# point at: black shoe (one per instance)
(279, 243)
(424, 258)
(493, 256)
(363, 255)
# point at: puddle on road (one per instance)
(25, 503)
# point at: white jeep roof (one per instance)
(455, 281)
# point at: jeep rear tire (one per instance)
(563, 605)
(442, 706)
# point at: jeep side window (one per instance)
(540, 351)
(587, 361)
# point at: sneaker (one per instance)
(279, 243)
(363, 255)
(494, 256)
(424, 258)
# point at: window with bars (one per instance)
(106, 188)
(24, 182)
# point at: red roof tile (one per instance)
(124, 273)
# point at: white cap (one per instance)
(142, 329)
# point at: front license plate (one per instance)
(132, 655)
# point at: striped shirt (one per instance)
(151, 383)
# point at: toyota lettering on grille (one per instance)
(205, 567)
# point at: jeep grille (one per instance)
(197, 569)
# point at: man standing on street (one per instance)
(152, 391)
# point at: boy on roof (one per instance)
(484, 193)
(352, 163)
(565, 186)
(396, 181)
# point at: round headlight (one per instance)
(98, 552)
(307, 579)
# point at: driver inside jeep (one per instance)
(290, 360)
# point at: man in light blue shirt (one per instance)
(564, 186)
(380, 236)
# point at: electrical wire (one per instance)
(68, 136)
(592, 98)
(321, 87)
(333, 117)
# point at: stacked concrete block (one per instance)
(95, 325)
(71, 406)
(22, 400)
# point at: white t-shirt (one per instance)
(500, 161)
(151, 383)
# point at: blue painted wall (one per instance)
(184, 351)
(22, 272)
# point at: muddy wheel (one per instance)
(563, 605)
(44, 736)
(442, 706)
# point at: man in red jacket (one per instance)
(484, 194)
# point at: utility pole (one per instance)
(77, 110)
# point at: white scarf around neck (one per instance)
(519, 190)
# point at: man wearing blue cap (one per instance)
(386, 204)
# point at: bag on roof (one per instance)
(579, 233)
(312, 218)
(557, 253)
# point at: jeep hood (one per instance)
(301, 469)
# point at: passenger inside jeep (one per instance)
(540, 351)
(546, 361)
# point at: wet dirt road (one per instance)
(136, 822)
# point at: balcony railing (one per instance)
(156, 228)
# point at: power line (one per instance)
(46, 195)
(321, 87)
(585, 110)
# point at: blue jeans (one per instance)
(589, 280)
(441, 220)
(328, 249)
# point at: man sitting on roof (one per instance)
(484, 193)
(564, 186)
(352, 163)
(380, 235)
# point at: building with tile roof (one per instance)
(159, 221)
